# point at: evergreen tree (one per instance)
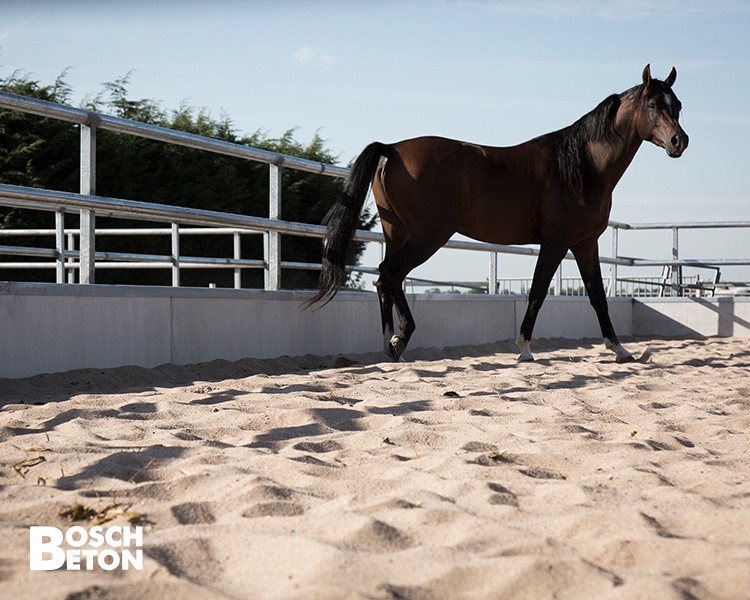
(41, 152)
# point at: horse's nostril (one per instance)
(675, 141)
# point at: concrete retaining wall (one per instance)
(673, 317)
(52, 328)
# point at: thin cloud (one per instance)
(313, 59)
(612, 10)
(11, 31)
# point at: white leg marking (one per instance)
(398, 347)
(622, 355)
(524, 346)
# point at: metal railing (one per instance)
(641, 287)
(66, 259)
(89, 122)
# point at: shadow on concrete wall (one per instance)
(723, 317)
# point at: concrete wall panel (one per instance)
(52, 328)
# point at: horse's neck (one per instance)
(612, 158)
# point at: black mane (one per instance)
(569, 143)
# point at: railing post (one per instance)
(676, 270)
(272, 238)
(493, 274)
(175, 255)
(613, 270)
(60, 245)
(71, 249)
(237, 256)
(558, 280)
(87, 255)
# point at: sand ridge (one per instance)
(456, 474)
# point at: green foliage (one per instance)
(36, 151)
(42, 152)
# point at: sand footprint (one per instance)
(584, 431)
(479, 447)
(193, 513)
(688, 587)
(272, 500)
(658, 528)
(318, 447)
(407, 375)
(192, 559)
(502, 495)
(378, 537)
(274, 509)
(270, 491)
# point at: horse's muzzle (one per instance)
(678, 143)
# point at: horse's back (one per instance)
(488, 193)
(436, 170)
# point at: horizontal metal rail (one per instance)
(80, 116)
(127, 231)
(133, 209)
(51, 200)
(259, 224)
(685, 225)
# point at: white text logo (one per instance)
(108, 548)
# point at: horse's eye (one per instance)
(651, 106)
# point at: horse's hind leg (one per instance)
(393, 271)
(391, 292)
(385, 298)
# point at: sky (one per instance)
(491, 72)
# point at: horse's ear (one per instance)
(647, 75)
(671, 78)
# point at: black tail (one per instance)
(342, 222)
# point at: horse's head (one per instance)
(659, 114)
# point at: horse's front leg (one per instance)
(550, 256)
(587, 257)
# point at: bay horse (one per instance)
(554, 190)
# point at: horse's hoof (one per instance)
(621, 355)
(395, 348)
(525, 347)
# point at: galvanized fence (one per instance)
(73, 254)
